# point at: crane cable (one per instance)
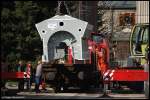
(58, 8)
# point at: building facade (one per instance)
(142, 12)
(120, 18)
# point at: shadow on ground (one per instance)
(9, 92)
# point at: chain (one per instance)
(58, 8)
(67, 8)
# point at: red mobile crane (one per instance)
(99, 45)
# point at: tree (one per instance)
(104, 18)
(73, 7)
(19, 37)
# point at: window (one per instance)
(135, 33)
(145, 35)
(127, 19)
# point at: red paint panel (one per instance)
(12, 75)
(70, 55)
(130, 75)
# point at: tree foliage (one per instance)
(19, 37)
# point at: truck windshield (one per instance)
(136, 34)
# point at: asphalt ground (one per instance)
(72, 93)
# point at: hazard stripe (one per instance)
(28, 72)
(108, 73)
(111, 75)
(26, 75)
(112, 72)
(112, 78)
